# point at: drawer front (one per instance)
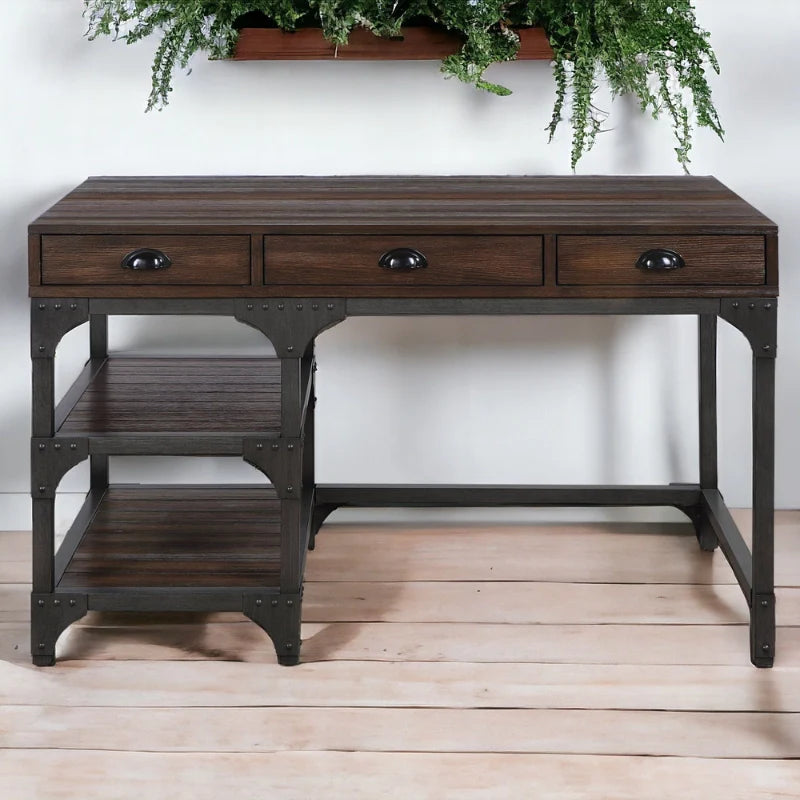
(449, 260)
(204, 260)
(612, 260)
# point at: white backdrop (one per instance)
(473, 400)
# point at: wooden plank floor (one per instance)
(553, 661)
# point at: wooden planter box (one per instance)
(417, 44)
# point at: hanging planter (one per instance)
(652, 49)
(415, 43)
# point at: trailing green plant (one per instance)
(653, 49)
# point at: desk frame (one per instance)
(292, 325)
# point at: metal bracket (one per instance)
(757, 320)
(279, 617)
(51, 320)
(762, 629)
(51, 614)
(318, 516)
(291, 324)
(703, 529)
(51, 460)
(281, 460)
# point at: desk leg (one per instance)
(762, 607)
(707, 395)
(98, 348)
(309, 479)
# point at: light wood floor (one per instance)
(583, 661)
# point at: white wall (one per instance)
(511, 400)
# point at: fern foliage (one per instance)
(653, 49)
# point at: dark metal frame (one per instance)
(292, 325)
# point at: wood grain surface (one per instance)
(178, 536)
(173, 395)
(594, 689)
(417, 43)
(192, 210)
(611, 260)
(377, 204)
(452, 260)
(206, 260)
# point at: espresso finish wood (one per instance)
(178, 395)
(34, 260)
(85, 260)
(483, 205)
(451, 260)
(293, 257)
(173, 536)
(140, 210)
(710, 260)
(416, 44)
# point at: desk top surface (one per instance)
(559, 205)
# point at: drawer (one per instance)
(204, 260)
(612, 260)
(448, 260)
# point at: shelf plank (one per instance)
(172, 536)
(417, 44)
(170, 395)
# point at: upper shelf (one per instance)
(417, 44)
(127, 401)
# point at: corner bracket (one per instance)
(51, 615)
(51, 460)
(757, 319)
(51, 320)
(278, 615)
(290, 324)
(281, 460)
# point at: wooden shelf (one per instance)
(124, 396)
(179, 537)
(417, 44)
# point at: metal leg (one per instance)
(707, 385)
(98, 348)
(762, 609)
(50, 613)
(758, 321)
(309, 479)
(98, 335)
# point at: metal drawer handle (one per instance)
(659, 260)
(403, 259)
(146, 258)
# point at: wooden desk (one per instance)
(294, 256)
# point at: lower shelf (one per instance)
(179, 536)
